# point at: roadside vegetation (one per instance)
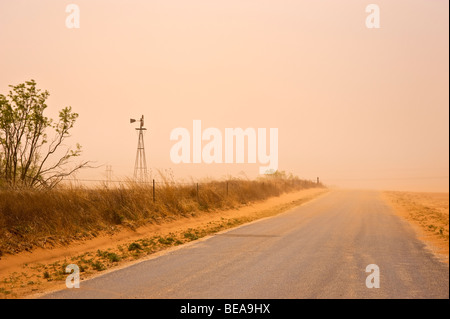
(32, 218)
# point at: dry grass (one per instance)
(429, 212)
(30, 218)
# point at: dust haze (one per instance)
(358, 107)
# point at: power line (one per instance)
(387, 178)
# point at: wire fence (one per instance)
(224, 188)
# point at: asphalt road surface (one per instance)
(318, 250)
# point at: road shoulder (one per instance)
(428, 214)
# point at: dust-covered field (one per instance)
(428, 212)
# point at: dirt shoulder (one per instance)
(30, 273)
(428, 213)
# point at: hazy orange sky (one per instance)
(357, 107)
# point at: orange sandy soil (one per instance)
(29, 274)
(428, 213)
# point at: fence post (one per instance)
(197, 192)
(227, 188)
(153, 191)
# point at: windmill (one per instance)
(140, 164)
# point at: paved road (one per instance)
(318, 250)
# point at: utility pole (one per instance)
(108, 175)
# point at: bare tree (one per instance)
(27, 156)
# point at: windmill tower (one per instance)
(140, 164)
